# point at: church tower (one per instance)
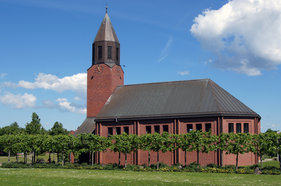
(105, 74)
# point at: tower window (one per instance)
(148, 129)
(99, 52)
(230, 127)
(157, 129)
(208, 127)
(189, 127)
(109, 52)
(238, 127)
(246, 127)
(199, 127)
(117, 54)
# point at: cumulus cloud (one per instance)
(2, 75)
(65, 105)
(76, 82)
(165, 50)
(18, 101)
(244, 35)
(183, 73)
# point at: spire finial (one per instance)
(106, 7)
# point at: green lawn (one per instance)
(44, 156)
(103, 177)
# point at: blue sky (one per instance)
(45, 51)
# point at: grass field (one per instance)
(103, 177)
(44, 156)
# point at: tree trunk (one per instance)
(25, 158)
(62, 162)
(54, 157)
(33, 157)
(50, 158)
(92, 158)
(198, 157)
(149, 158)
(157, 160)
(279, 160)
(58, 157)
(9, 156)
(125, 159)
(17, 157)
(236, 162)
(119, 159)
(185, 158)
(261, 161)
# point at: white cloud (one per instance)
(165, 50)
(18, 101)
(76, 83)
(183, 73)
(2, 75)
(65, 105)
(245, 35)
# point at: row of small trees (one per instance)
(264, 143)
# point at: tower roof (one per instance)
(106, 31)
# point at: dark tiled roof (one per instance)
(88, 126)
(172, 99)
(106, 31)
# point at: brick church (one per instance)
(175, 107)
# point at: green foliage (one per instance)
(34, 127)
(12, 129)
(58, 129)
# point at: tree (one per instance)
(36, 144)
(184, 142)
(34, 127)
(237, 144)
(62, 144)
(58, 129)
(21, 145)
(145, 142)
(157, 145)
(11, 129)
(7, 142)
(125, 144)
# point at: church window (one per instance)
(118, 130)
(148, 129)
(109, 52)
(165, 128)
(126, 129)
(238, 127)
(230, 127)
(189, 127)
(157, 129)
(199, 126)
(246, 127)
(117, 54)
(208, 127)
(109, 131)
(99, 52)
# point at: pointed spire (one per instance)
(106, 31)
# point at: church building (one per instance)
(176, 107)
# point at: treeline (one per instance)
(264, 143)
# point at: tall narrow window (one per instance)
(118, 130)
(208, 127)
(165, 128)
(199, 126)
(230, 127)
(246, 127)
(238, 127)
(109, 52)
(117, 54)
(99, 52)
(126, 129)
(93, 55)
(148, 129)
(157, 129)
(189, 127)
(109, 131)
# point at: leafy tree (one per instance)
(21, 145)
(36, 144)
(125, 144)
(237, 144)
(7, 142)
(145, 142)
(62, 144)
(34, 127)
(93, 143)
(58, 129)
(157, 145)
(11, 129)
(184, 142)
